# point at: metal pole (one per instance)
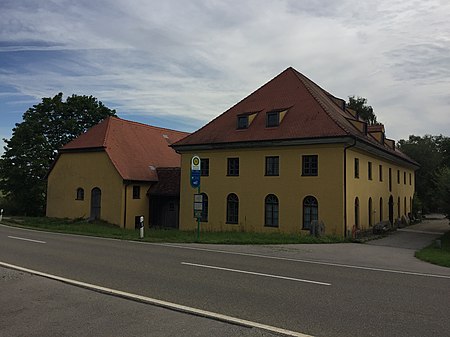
(198, 220)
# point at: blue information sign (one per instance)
(195, 178)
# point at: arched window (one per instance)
(80, 194)
(204, 217)
(381, 209)
(271, 211)
(370, 212)
(232, 208)
(310, 211)
(357, 212)
(404, 207)
(398, 208)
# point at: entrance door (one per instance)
(391, 210)
(96, 203)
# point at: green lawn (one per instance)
(103, 229)
(439, 256)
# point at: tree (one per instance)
(433, 177)
(33, 147)
(364, 111)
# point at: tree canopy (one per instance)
(34, 144)
(364, 111)
(433, 177)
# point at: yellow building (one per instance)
(117, 171)
(290, 154)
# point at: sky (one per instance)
(179, 64)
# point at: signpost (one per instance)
(195, 183)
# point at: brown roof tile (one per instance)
(135, 149)
(312, 113)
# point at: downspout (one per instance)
(125, 208)
(345, 184)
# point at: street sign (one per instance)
(195, 163)
(198, 205)
(195, 171)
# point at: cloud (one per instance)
(188, 61)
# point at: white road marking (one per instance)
(304, 261)
(160, 303)
(245, 254)
(254, 273)
(418, 231)
(25, 239)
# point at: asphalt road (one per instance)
(295, 294)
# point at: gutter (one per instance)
(345, 183)
(125, 207)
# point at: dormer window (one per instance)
(273, 119)
(242, 122)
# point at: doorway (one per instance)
(96, 203)
(391, 210)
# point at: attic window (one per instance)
(242, 122)
(273, 119)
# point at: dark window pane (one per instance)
(204, 217)
(80, 194)
(233, 167)
(271, 211)
(242, 122)
(136, 192)
(204, 167)
(273, 119)
(232, 209)
(272, 166)
(310, 211)
(310, 166)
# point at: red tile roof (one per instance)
(135, 149)
(312, 113)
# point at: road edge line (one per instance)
(159, 303)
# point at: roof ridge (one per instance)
(105, 137)
(304, 80)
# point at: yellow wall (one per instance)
(89, 170)
(137, 207)
(363, 189)
(252, 186)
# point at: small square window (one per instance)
(273, 119)
(310, 165)
(356, 168)
(242, 122)
(136, 192)
(204, 167)
(233, 167)
(272, 166)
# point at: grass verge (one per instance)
(103, 229)
(435, 255)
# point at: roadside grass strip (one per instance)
(437, 255)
